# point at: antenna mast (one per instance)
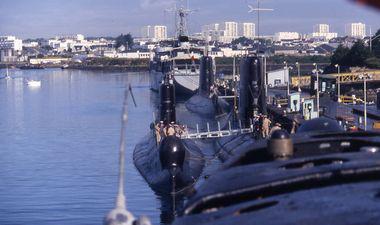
(258, 10)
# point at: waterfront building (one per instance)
(248, 30)
(10, 48)
(11, 42)
(129, 55)
(357, 30)
(286, 36)
(78, 43)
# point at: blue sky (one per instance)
(48, 18)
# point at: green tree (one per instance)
(376, 44)
(340, 56)
(126, 40)
(243, 41)
(358, 54)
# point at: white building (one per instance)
(322, 31)
(321, 28)
(229, 32)
(157, 32)
(79, 44)
(357, 30)
(286, 36)
(128, 55)
(10, 42)
(211, 32)
(146, 32)
(230, 29)
(248, 30)
(160, 32)
(278, 78)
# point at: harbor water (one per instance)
(59, 146)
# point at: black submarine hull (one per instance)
(146, 158)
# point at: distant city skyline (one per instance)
(36, 18)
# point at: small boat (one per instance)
(34, 83)
(7, 77)
(65, 66)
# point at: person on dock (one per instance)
(265, 126)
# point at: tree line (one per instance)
(359, 55)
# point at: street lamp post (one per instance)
(317, 73)
(299, 75)
(365, 77)
(365, 102)
(338, 67)
(287, 83)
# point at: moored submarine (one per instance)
(206, 106)
(321, 175)
(171, 164)
(252, 101)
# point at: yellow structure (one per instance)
(302, 81)
(357, 76)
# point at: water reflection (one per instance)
(58, 160)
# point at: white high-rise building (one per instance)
(357, 30)
(146, 32)
(157, 32)
(323, 31)
(286, 36)
(160, 32)
(229, 32)
(322, 28)
(231, 29)
(247, 30)
(211, 32)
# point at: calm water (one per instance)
(59, 146)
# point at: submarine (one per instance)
(320, 175)
(251, 102)
(169, 165)
(205, 109)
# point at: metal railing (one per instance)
(218, 133)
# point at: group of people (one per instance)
(264, 126)
(172, 129)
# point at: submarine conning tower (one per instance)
(206, 76)
(252, 100)
(167, 100)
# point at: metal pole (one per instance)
(370, 39)
(338, 83)
(316, 68)
(265, 78)
(258, 27)
(299, 76)
(287, 83)
(365, 103)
